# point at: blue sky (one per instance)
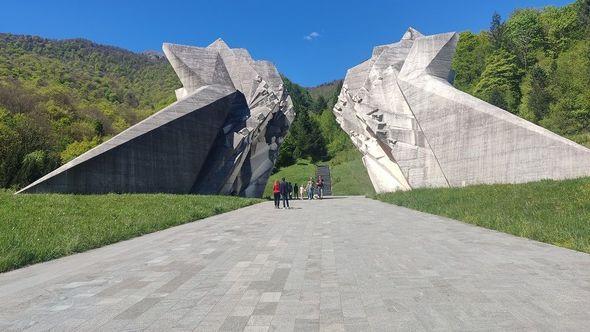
(309, 41)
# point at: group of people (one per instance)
(285, 191)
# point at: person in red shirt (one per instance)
(276, 190)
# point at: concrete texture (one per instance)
(416, 130)
(162, 154)
(339, 264)
(221, 137)
(243, 155)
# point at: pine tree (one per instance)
(497, 99)
(497, 28)
(320, 104)
(308, 139)
(539, 98)
(287, 153)
(525, 34)
(584, 13)
(500, 81)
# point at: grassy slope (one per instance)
(351, 178)
(37, 228)
(326, 90)
(555, 212)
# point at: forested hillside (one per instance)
(60, 98)
(536, 64)
(325, 90)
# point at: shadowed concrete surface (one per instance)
(337, 264)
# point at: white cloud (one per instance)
(312, 36)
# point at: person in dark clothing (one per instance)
(290, 190)
(320, 186)
(296, 191)
(284, 189)
(276, 190)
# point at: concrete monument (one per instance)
(221, 137)
(416, 130)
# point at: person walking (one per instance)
(301, 190)
(290, 190)
(284, 190)
(276, 190)
(295, 191)
(320, 186)
(309, 189)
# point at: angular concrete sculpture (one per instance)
(221, 137)
(416, 130)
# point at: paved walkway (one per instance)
(339, 264)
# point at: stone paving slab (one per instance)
(341, 264)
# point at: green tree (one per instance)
(497, 29)
(19, 136)
(525, 34)
(33, 166)
(539, 97)
(77, 148)
(536, 95)
(569, 113)
(500, 81)
(497, 97)
(336, 94)
(307, 138)
(287, 152)
(336, 139)
(470, 59)
(561, 26)
(301, 98)
(583, 9)
(9, 145)
(319, 104)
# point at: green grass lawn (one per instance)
(555, 212)
(37, 228)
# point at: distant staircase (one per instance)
(324, 172)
